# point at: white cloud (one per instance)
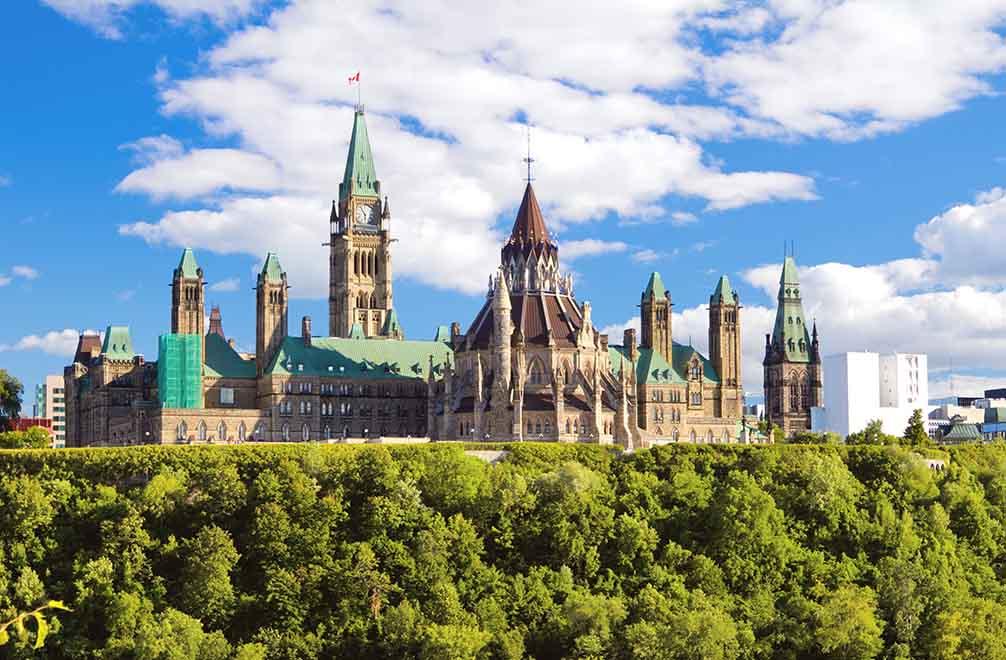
(962, 240)
(271, 90)
(55, 342)
(226, 286)
(24, 272)
(4, 280)
(851, 69)
(125, 296)
(647, 255)
(681, 218)
(589, 247)
(201, 172)
(702, 246)
(107, 16)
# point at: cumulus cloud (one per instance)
(201, 172)
(449, 158)
(107, 16)
(852, 69)
(962, 240)
(54, 342)
(226, 286)
(590, 247)
(648, 256)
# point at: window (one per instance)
(709, 436)
(530, 427)
(241, 432)
(696, 399)
(288, 387)
(568, 426)
(674, 435)
(305, 433)
(691, 436)
(327, 432)
(222, 432)
(182, 431)
(303, 407)
(201, 431)
(286, 432)
(227, 396)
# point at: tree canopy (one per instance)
(559, 551)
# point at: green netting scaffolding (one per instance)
(180, 371)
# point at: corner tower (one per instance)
(655, 316)
(792, 364)
(188, 289)
(270, 312)
(360, 244)
(725, 346)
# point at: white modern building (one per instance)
(861, 387)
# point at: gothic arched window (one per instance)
(373, 301)
(182, 431)
(305, 433)
(201, 431)
(709, 436)
(356, 262)
(536, 373)
(691, 436)
(674, 435)
(286, 432)
(242, 432)
(222, 432)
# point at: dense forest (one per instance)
(558, 551)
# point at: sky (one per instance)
(691, 137)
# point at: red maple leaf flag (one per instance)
(355, 78)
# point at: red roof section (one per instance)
(529, 227)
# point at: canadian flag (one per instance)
(355, 78)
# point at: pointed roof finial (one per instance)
(529, 160)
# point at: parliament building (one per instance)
(530, 366)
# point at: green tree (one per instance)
(873, 434)
(915, 432)
(847, 626)
(205, 588)
(10, 399)
(35, 437)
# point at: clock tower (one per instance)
(360, 257)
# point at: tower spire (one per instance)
(528, 159)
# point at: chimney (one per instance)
(305, 330)
(629, 340)
(455, 330)
(216, 323)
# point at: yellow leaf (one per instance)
(4, 637)
(57, 605)
(43, 630)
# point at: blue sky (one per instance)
(694, 141)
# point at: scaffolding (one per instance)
(180, 371)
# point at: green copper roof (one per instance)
(222, 361)
(359, 358)
(392, 328)
(790, 330)
(723, 294)
(653, 369)
(118, 345)
(356, 332)
(188, 265)
(271, 269)
(443, 334)
(962, 432)
(655, 286)
(360, 177)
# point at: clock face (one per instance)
(365, 215)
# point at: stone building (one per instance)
(363, 382)
(531, 365)
(792, 364)
(682, 394)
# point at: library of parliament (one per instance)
(531, 364)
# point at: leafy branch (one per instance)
(41, 625)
